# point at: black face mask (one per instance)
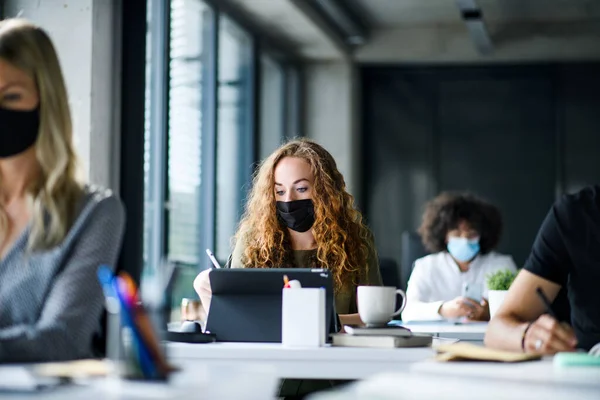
(298, 215)
(19, 130)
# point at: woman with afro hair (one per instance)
(461, 231)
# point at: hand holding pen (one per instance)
(202, 284)
(547, 335)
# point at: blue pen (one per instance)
(105, 276)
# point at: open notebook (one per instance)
(470, 352)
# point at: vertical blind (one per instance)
(185, 127)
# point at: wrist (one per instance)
(525, 334)
(441, 309)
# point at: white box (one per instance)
(303, 317)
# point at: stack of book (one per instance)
(381, 337)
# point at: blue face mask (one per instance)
(463, 249)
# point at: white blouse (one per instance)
(436, 278)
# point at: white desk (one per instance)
(403, 385)
(539, 372)
(474, 331)
(476, 380)
(197, 381)
(302, 363)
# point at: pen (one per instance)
(212, 258)
(293, 284)
(546, 302)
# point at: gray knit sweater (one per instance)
(51, 301)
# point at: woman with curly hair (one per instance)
(299, 214)
(462, 231)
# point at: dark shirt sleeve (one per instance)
(72, 309)
(549, 256)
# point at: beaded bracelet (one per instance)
(525, 333)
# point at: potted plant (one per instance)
(498, 284)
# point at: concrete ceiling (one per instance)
(401, 13)
(293, 25)
(404, 31)
(519, 30)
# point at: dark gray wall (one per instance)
(517, 135)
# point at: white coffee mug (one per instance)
(376, 304)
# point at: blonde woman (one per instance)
(54, 230)
(299, 214)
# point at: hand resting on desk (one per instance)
(465, 307)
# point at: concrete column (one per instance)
(86, 34)
(332, 117)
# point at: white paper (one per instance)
(20, 378)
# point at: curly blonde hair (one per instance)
(343, 241)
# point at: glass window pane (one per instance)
(272, 105)
(173, 148)
(234, 131)
(188, 60)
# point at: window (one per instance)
(200, 141)
(176, 101)
(234, 131)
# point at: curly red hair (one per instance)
(343, 241)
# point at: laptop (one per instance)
(246, 302)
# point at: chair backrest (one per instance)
(412, 249)
(390, 272)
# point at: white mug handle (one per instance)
(403, 295)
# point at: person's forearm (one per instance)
(505, 332)
(422, 311)
(350, 319)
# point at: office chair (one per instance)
(412, 249)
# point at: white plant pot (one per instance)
(496, 298)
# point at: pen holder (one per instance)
(133, 347)
(303, 317)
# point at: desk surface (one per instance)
(302, 362)
(242, 370)
(476, 380)
(403, 385)
(195, 381)
(533, 372)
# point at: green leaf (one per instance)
(501, 280)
